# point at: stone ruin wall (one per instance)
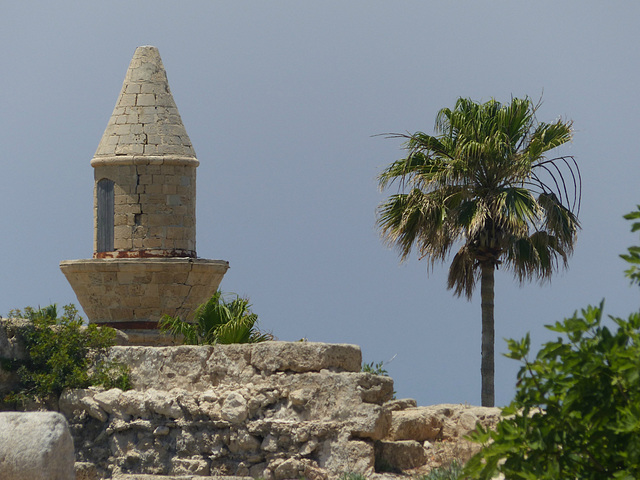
(275, 410)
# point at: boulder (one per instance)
(35, 446)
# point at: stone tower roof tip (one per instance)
(145, 121)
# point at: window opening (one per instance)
(105, 218)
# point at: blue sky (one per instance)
(282, 100)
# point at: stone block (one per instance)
(127, 100)
(35, 446)
(439, 422)
(176, 233)
(129, 149)
(133, 88)
(150, 149)
(104, 149)
(153, 189)
(121, 130)
(400, 455)
(152, 242)
(153, 88)
(146, 99)
(306, 357)
(169, 189)
(400, 404)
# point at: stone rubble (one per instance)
(275, 410)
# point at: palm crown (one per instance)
(478, 182)
(485, 184)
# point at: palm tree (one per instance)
(484, 184)
(219, 320)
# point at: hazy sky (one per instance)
(282, 100)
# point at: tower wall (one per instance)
(154, 208)
(146, 152)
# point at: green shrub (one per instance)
(576, 413)
(63, 353)
(224, 318)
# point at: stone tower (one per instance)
(144, 262)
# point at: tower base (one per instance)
(133, 294)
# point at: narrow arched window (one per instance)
(104, 233)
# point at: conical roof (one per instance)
(145, 121)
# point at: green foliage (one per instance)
(633, 255)
(376, 369)
(576, 413)
(451, 472)
(219, 320)
(63, 353)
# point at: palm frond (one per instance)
(484, 179)
(222, 319)
(558, 220)
(463, 273)
(179, 328)
(536, 256)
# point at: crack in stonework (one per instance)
(186, 283)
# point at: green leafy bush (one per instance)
(63, 353)
(576, 413)
(222, 319)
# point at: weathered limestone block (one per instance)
(400, 455)
(199, 367)
(440, 422)
(400, 404)
(83, 401)
(35, 445)
(272, 357)
(164, 368)
(344, 455)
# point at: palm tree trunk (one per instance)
(488, 335)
